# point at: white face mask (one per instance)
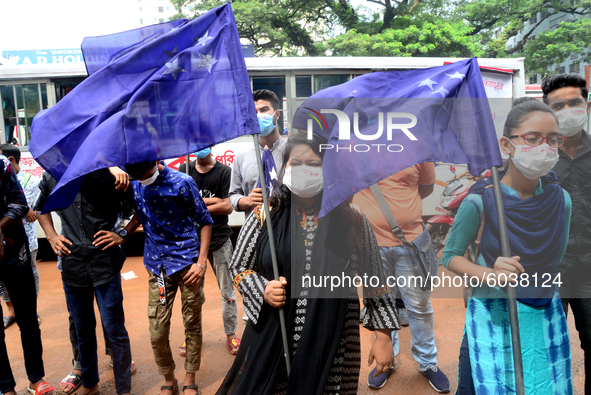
(534, 162)
(304, 181)
(571, 120)
(151, 180)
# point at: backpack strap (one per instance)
(387, 212)
(479, 236)
(480, 230)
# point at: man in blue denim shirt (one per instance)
(170, 208)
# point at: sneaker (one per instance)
(375, 383)
(402, 316)
(437, 379)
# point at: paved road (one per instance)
(216, 360)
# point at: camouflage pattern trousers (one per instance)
(192, 299)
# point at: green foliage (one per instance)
(413, 37)
(517, 21)
(556, 46)
(275, 27)
(451, 28)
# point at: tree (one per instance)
(412, 37)
(517, 20)
(276, 27)
(557, 45)
(402, 28)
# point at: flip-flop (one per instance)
(74, 380)
(8, 321)
(233, 343)
(42, 389)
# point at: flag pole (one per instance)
(272, 245)
(187, 162)
(511, 299)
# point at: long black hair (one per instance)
(347, 216)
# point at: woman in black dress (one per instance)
(323, 333)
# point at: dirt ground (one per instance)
(216, 360)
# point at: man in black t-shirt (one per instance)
(213, 180)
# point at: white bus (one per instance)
(25, 90)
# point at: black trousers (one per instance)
(20, 284)
(575, 291)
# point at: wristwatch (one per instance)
(123, 234)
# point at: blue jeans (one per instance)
(397, 262)
(220, 260)
(109, 298)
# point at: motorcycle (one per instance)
(451, 198)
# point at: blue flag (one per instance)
(380, 123)
(153, 93)
(269, 171)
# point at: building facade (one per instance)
(573, 64)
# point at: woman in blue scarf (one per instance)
(538, 220)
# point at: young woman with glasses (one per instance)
(538, 218)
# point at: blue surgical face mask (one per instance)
(266, 124)
(204, 153)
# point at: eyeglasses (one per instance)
(533, 139)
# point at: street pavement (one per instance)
(216, 359)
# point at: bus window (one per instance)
(303, 86)
(28, 105)
(8, 111)
(324, 81)
(20, 103)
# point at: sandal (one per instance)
(183, 350)
(42, 389)
(132, 368)
(234, 344)
(74, 380)
(174, 388)
(191, 387)
(8, 321)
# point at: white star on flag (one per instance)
(428, 82)
(203, 40)
(204, 61)
(456, 75)
(173, 68)
(441, 90)
(273, 174)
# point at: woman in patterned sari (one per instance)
(323, 333)
(538, 218)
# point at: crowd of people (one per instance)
(546, 189)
